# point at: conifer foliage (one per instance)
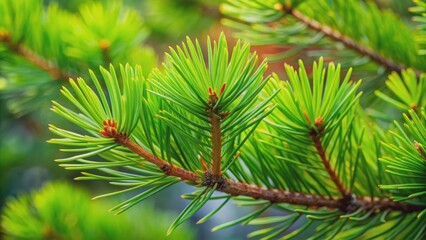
(306, 145)
(41, 47)
(194, 120)
(60, 211)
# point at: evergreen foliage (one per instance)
(354, 33)
(331, 165)
(40, 44)
(208, 111)
(171, 20)
(59, 211)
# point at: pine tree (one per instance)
(337, 157)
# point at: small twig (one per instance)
(328, 168)
(166, 167)
(316, 139)
(216, 134)
(389, 64)
(38, 61)
(216, 146)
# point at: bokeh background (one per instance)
(26, 160)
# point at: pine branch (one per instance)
(166, 167)
(216, 146)
(387, 63)
(216, 135)
(215, 124)
(38, 61)
(273, 195)
(316, 139)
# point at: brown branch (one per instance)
(389, 64)
(325, 161)
(273, 195)
(38, 61)
(277, 195)
(382, 204)
(216, 145)
(215, 118)
(166, 167)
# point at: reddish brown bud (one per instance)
(222, 88)
(319, 121)
(109, 128)
(210, 91)
(113, 131)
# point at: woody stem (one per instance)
(216, 145)
(37, 60)
(387, 63)
(326, 162)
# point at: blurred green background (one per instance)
(27, 169)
